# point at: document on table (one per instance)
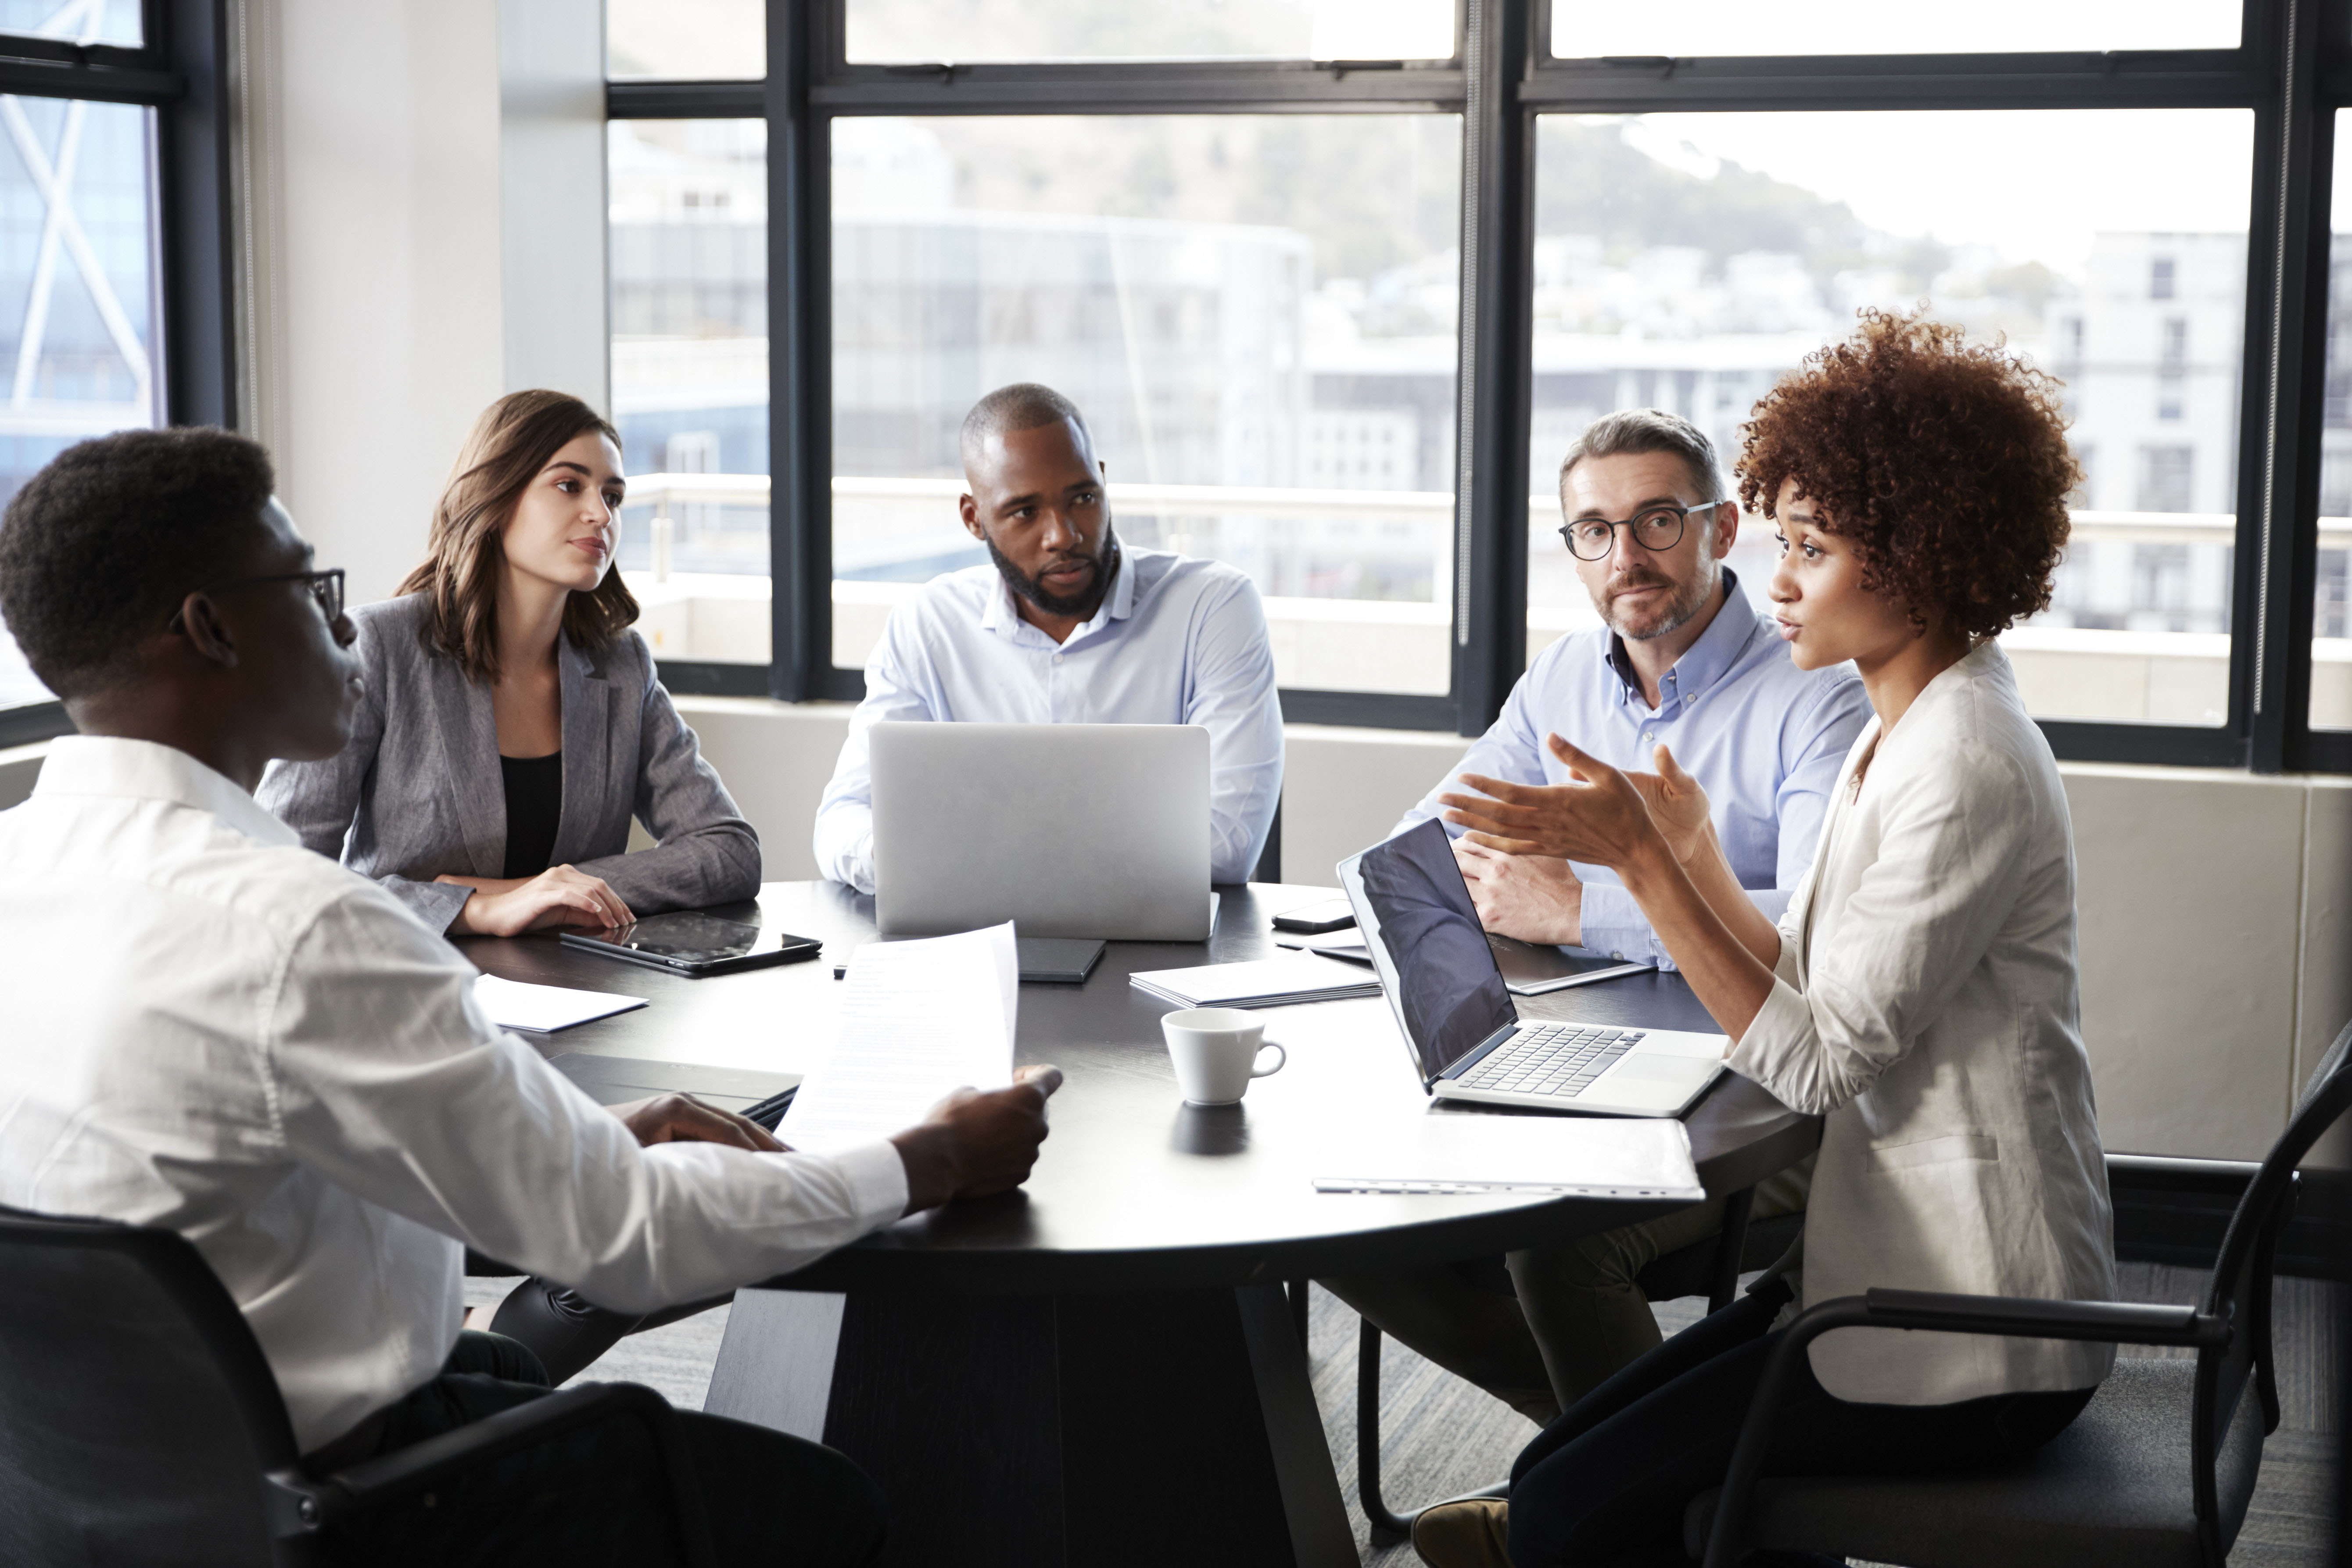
(543, 1010)
(919, 1019)
(1449, 1152)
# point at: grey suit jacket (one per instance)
(417, 793)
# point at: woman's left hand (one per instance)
(1600, 821)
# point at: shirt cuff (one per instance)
(1609, 921)
(877, 1182)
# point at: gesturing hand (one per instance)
(683, 1119)
(974, 1145)
(1603, 820)
(1677, 803)
(559, 895)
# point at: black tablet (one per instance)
(693, 942)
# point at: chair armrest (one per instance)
(2037, 1317)
(2025, 1317)
(373, 1482)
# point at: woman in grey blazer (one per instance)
(512, 727)
(513, 724)
(1920, 992)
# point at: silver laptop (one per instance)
(1468, 1039)
(1066, 830)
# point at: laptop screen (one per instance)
(1425, 940)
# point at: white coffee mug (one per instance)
(1215, 1051)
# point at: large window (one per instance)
(1336, 280)
(77, 291)
(115, 299)
(1687, 261)
(689, 267)
(909, 31)
(1261, 338)
(2330, 697)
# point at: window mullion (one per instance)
(1491, 439)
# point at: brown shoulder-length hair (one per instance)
(513, 440)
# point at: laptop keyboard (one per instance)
(1559, 1060)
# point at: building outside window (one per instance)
(78, 305)
(1687, 261)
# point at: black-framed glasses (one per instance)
(1653, 528)
(326, 587)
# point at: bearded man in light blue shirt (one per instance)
(1683, 658)
(1068, 624)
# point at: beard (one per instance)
(1686, 602)
(1079, 606)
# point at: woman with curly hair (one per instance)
(1920, 993)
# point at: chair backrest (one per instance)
(137, 1413)
(2240, 1286)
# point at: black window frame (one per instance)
(180, 71)
(2293, 66)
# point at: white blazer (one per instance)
(1925, 1001)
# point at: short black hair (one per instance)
(1024, 406)
(99, 548)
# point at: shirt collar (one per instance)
(1705, 662)
(108, 764)
(1002, 617)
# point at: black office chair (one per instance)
(2159, 1468)
(1711, 1268)
(141, 1425)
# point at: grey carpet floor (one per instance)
(1441, 1437)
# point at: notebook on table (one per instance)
(1260, 983)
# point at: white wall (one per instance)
(373, 319)
(551, 170)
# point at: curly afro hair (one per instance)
(99, 548)
(1945, 464)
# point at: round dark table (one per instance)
(1114, 1335)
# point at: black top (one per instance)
(534, 807)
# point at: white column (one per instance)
(551, 168)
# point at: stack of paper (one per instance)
(1446, 1153)
(1264, 983)
(918, 1020)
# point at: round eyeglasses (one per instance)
(326, 587)
(1653, 528)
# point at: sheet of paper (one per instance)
(918, 1021)
(1468, 1152)
(543, 1010)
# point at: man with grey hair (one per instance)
(1067, 625)
(1682, 659)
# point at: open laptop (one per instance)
(1468, 1039)
(1066, 830)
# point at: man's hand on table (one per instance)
(1534, 899)
(974, 1145)
(683, 1119)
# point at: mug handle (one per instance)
(1281, 1059)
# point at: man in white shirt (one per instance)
(1068, 625)
(218, 1032)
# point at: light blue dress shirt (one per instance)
(1764, 737)
(1177, 641)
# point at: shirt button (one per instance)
(1619, 956)
(1057, 658)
